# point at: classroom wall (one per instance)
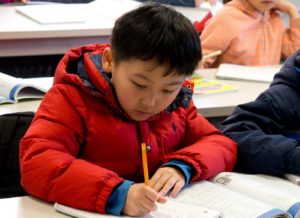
(285, 17)
(296, 2)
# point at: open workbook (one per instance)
(236, 195)
(13, 89)
(172, 209)
(262, 196)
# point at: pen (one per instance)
(145, 164)
(213, 54)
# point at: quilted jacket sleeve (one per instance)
(259, 129)
(205, 148)
(48, 156)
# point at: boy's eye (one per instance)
(139, 85)
(168, 91)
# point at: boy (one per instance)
(267, 129)
(251, 32)
(83, 146)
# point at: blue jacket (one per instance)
(267, 130)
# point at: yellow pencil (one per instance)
(145, 164)
(211, 55)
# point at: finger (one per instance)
(162, 182)
(148, 205)
(176, 189)
(154, 179)
(168, 186)
(151, 194)
(162, 200)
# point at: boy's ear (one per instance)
(107, 60)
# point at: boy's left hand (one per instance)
(167, 180)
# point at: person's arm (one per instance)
(216, 37)
(49, 165)
(287, 7)
(291, 37)
(258, 128)
(116, 200)
(204, 148)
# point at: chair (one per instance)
(12, 128)
(29, 66)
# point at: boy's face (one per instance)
(141, 88)
(262, 5)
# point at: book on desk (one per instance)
(13, 89)
(204, 86)
(247, 73)
(230, 194)
(171, 209)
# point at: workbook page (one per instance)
(233, 204)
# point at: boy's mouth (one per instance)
(143, 113)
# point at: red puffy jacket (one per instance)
(81, 145)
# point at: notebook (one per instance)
(52, 13)
(210, 86)
(172, 209)
(247, 73)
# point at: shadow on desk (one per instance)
(216, 121)
(12, 129)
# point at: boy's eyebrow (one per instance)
(178, 82)
(144, 77)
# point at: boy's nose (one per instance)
(150, 100)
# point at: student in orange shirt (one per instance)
(251, 32)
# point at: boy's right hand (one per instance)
(141, 200)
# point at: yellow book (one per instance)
(208, 86)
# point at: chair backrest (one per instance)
(12, 128)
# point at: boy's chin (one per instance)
(139, 117)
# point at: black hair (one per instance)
(155, 31)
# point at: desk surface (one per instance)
(21, 36)
(27, 207)
(218, 105)
(222, 104)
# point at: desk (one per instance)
(221, 105)
(210, 106)
(21, 36)
(27, 207)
